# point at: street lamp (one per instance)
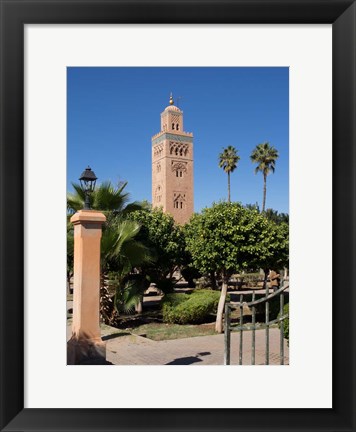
(87, 182)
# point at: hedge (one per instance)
(191, 308)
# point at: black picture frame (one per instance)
(14, 15)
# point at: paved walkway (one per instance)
(127, 349)
(200, 350)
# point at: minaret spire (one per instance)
(171, 101)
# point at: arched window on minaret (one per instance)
(178, 202)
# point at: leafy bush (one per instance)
(285, 323)
(191, 308)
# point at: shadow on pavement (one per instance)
(189, 360)
(185, 361)
(95, 362)
(115, 335)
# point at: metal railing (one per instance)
(240, 327)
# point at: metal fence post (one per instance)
(227, 335)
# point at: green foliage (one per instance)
(278, 247)
(189, 308)
(265, 157)
(228, 159)
(111, 200)
(228, 238)
(121, 249)
(161, 235)
(121, 252)
(276, 217)
(285, 323)
(127, 292)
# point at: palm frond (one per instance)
(228, 159)
(265, 157)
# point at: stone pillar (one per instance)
(85, 345)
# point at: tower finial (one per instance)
(171, 101)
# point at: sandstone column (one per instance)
(85, 345)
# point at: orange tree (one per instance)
(228, 238)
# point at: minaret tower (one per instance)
(172, 166)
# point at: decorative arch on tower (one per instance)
(179, 168)
(158, 194)
(179, 200)
(158, 150)
(178, 149)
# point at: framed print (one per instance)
(39, 41)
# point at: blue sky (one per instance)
(112, 113)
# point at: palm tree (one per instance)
(265, 156)
(106, 198)
(228, 162)
(120, 251)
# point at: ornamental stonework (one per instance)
(158, 150)
(179, 166)
(178, 149)
(172, 166)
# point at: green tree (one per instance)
(229, 238)
(265, 157)
(228, 160)
(278, 248)
(166, 240)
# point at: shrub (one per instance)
(191, 308)
(285, 323)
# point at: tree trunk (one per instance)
(107, 310)
(228, 187)
(264, 192)
(221, 306)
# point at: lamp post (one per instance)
(86, 346)
(87, 182)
